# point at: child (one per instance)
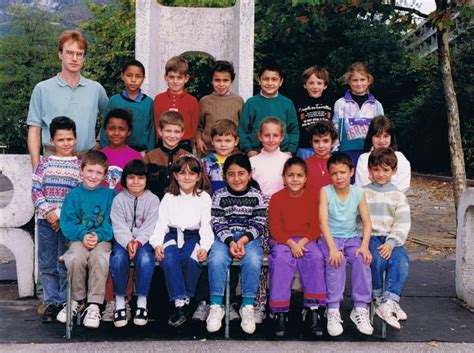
(313, 107)
(118, 126)
(323, 137)
(294, 228)
(269, 102)
(220, 104)
(134, 215)
(160, 160)
(340, 204)
(354, 111)
(85, 221)
(140, 106)
(224, 139)
(390, 216)
(382, 135)
(183, 233)
(239, 222)
(53, 178)
(178, 100)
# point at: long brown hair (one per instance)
(194, 164)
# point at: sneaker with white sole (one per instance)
(214, 319)
(259, 314)
(108, 313)
(386, 311)
(334, 322)
(92, 316)
(76, 308)
(248, 319)
(401, 314)
(360, 317)
(233, 314)
(120, 318)
(202, 311)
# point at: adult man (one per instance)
(67, 94)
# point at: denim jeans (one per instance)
(120, 265)
(250, 265)
(396, 268)
(52, 271)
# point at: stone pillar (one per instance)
(465, 248)
(223, 33)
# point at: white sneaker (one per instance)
(92, 316)
(76, 307)
(202, 312)
(214, 319)
(248, 319)
(108, 313)
(386, 311)
(233, 314)
(334, 322)
(401, 315)
(360, 317)
(259, 314)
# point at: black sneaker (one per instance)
(141, 317)
(280, 324)
(313, 321)
(177, 317)
(50, 314)
(120, 318)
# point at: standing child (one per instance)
(339, 206)
(294, 228)
(313, 107)
(53, 178)
(134, 215)
(183, 234)
(239, 222)
(140, 106)
(354, 112)
(382, 135)
(85, 221)
(178, 100)
(220, 104)
(390, 216)
(269, 102)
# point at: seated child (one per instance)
(160, 160)
(134, 215)
(239, 222)
(339, 206)
(53, 178)
(312, 107)
(220, 104)
(382, 135)
(183, 233)
(390, 216)
(85, 222)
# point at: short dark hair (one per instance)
(340, 158)
(383, 156)
(62, 123)
(223, 66)
(135, 167)
(322, 128)
(195, 166)
(294, 161)
(119, 114)
(93, 157)
(133, 62)
(270, 65)
(377, 125)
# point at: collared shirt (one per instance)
(137, 99)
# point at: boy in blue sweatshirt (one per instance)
(85, 222)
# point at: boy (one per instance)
(339, 206)
(220, 104)
(85, 221)
(53, 178)
(390, 216)
(323, 136)
(160, 160)
(312, 107)
(268, 103)
(178, 100)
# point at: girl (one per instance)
(183, 233)
(142, 138)
(294, 229)
(239, 222)
(134, 215)
(382, 135)
(354, 111)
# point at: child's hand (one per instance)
(385, 251)
(289, 153)
(55, 226)
(234, 250)
(201, 146)
(52, 218)
(90, 241)
(132, 248)
(251, 153)
(241, 246)
(297, 250)
(159, 253)
(201, 255)
(335, 257)
(365, 252)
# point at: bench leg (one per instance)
(227, 304)
(69, 318)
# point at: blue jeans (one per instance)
(220, 259)
(120, 265)
(52, 271)
(180, 265)
(396, 268)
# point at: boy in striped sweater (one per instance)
(390, 216)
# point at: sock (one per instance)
(119, 302)
(179, 303)
(247, 301)
(313, 307)
(187, 300)
(141, 301)
(217, 299)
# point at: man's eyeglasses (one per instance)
(71, 53)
